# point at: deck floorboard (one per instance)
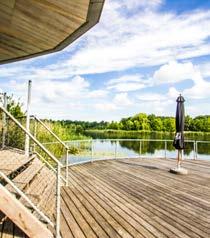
(136, 198)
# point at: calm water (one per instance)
(105, 148)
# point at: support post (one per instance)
(4, 121)
(194, 150)
(27, 140)
(165, 148)
(140, 145)
(35, 132)
(179, 159)
(91, 150)
(67, 166)
(58, 201)
(115, 150)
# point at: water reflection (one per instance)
(104, 147)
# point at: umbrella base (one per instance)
(179, 170)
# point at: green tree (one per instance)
(113, 125)
(14, 107)
(188, 123)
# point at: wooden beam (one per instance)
(17, 213)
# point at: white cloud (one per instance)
(127, 83)
(151, 97)
(118, 102)
(173, 93)
(125, 39)
(133, 4)
(204, 69)
(125, 78)
(105, 106)
(97, 93)
(173, 72)
(200, 89)
(145, 41)
(122, 100)
(126, 87)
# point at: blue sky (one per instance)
(139, 58)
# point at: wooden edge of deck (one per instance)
(17, 213)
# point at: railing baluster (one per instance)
(58, 201)
(67, 167)
(92, 150)
(194, 149)
(115, 150)
(140, 145)
(4, 121)
(165, 148)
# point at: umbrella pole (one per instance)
(179, 159)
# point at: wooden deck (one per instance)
(136, 198)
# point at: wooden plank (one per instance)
(21, 216)
(13, 162)
(74, 226)
(136, 229)
(98, 214)
(130, 190)
(180, 207)
(78, 216)
(125, 212)
(65, 230)
(24, 178)
(38, 27)
(94, 224)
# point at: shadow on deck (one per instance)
(136, 198)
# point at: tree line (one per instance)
(138, 122)
(143, 122)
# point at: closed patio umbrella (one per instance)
(179, 137)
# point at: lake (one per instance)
(112, 144)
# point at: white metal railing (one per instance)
(58, 140)
(58, 176)
(91, 151)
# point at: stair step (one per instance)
(48, 200)
(41, 192)
(11, 163)
(23, 179)
(33, 178)
(20, 215)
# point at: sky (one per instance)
(138, 58)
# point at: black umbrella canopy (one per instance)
(179, 138)
(180, 114)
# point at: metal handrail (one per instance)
(26, 198)
(31, 136)
(140, 140)
(59, 166)
(50, 131)
(45, 161)
(58, 141)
